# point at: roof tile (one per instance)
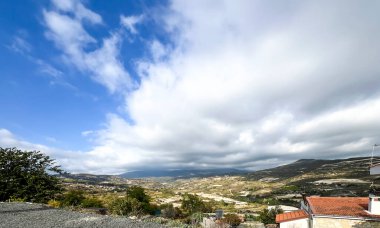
(340, 206)
(290, 216)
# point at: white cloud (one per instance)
(20, 45)
(130, 22)
(247, 84)
(242, 82)
(81, 12)
(69, 160)
(69, 34)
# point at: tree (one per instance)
(140, 199)
(27, 175)
(136, 202)
(269, 216)
(138, 193)
(192, 203)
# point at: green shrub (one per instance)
(127, 206)
(120, 206)
(176, 224)
(72, 198)
(136, 203)
(269, 216)
(54, 203)
(168, 211)
(17, 199)
(196, 218)
(91, 202)
(193, 203)
(138, 193)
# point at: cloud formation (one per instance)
(247, 85)
(131, 22)
(65, 26)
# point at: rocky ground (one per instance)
(27, 215)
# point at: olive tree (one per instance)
(27, 175)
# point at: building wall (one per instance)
(343, 223)
(374, 170)
(299, 223)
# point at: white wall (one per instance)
(374, 170)
(299, 223)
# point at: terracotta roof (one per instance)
(340, 206)
(294, 215)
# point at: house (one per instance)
(294, 219)
(333, 212)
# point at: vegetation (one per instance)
(136, 202)
(92, 202)
(26, 175)
(171, 212)
(232, 219)
(192, 204)
(72, 198)
(130, 206)
(269, 216)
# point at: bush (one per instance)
(54, 203)
(136, 203)
(91, 202)
(196, 218)
(27, 175)
(127, 206)
(176, 223)
(120, 206)
(138, 193)
(72, 198)
(168, 211)
(192, 203)
(269, 216)
(232, 219)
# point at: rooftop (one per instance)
(294, 215)
(340, 206)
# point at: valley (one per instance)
(247, 192)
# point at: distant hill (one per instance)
(91, 178)
(181, 173)
(357, 167)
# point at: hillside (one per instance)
(179, 173)
(357, 167)
(340, 177)
(247, 191)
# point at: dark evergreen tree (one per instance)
(27, 175)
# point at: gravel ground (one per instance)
(27, 215)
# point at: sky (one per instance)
(107, 87)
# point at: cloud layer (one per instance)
(247, 85)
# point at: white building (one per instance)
(334, 212)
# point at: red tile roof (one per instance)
(340, 206)
(294, 215)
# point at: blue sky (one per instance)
(46, 100)
(112, 86)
